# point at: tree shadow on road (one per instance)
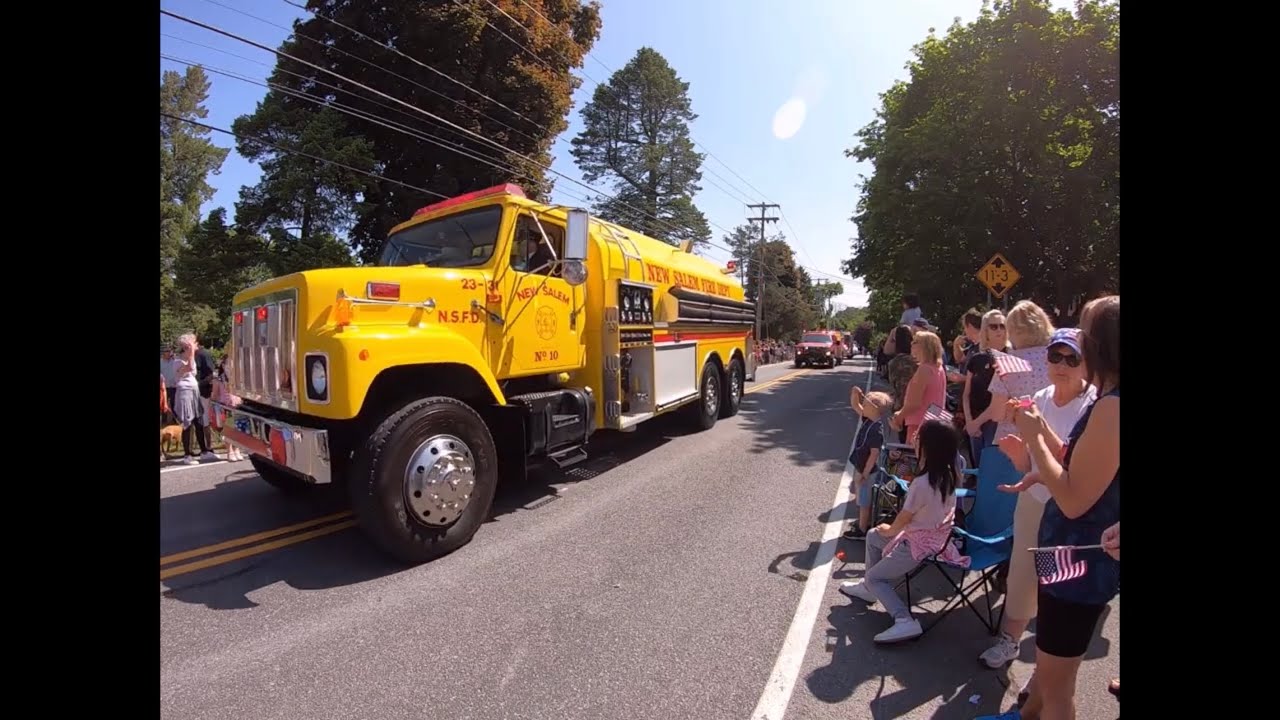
(940, 665)
(242, 506)
(819, 394)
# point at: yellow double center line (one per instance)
(247, 546)
(320, 529)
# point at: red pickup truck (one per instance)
(819, 347)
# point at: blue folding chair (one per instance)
(988, 540)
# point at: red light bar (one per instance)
(239, 317)
(507, 189)
(731, 266)
(261, 313)
(382, 291)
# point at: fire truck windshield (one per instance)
(816, 338)
(466, 239)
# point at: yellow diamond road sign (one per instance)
(998, 275)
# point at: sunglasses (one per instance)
(996, 327)
(1071, 359)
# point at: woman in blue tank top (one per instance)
(1086, 502)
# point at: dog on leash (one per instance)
(170, 437)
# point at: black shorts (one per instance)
(1063, 628)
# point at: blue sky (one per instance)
(780, 89)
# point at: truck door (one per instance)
(541, 333)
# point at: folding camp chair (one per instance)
(988, 541)
(899, 465)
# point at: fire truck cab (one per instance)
(493, 331)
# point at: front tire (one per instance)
(733, 386)
(424, 481)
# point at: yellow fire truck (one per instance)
(493, 331)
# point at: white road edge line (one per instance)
(193, 467)
(777, 693)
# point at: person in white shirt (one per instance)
(1061, 403)
(910, 309)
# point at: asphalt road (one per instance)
(660, 579)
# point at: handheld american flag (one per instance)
(1055, 565)
(936, 413)
(1007, 364)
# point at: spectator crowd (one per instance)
(1036, 410)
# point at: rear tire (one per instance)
(707, 408)
(285, 481)
(423, 482)
(733, 389)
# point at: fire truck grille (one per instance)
(264, 336)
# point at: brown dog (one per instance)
(170, 437)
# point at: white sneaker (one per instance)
(191, 460)
(1002, 653)
(901, 630)
(209, 457)
(857, 590)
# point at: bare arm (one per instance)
(899, 523)
(914, 397)
(1094, 462)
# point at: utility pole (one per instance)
(764, 219)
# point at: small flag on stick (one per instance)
(1007, 364)
(1055, 565)
(936, 413)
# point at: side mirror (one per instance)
(577, 235)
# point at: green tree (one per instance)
(218, 262)
(300, 200)
(187, 158)
(824, 294)
(1006, 138)
(788, 307)
(636, 136)
(529, 94)
(849, 318)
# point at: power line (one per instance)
(448, 125)
(740, 198)
(409, 80)
(317, 158)
(429, 114)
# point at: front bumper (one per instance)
(301, 449)
(815, 356)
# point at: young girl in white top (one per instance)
(921, 529)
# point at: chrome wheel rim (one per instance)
(439, 480)
(712, 399)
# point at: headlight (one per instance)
(317, 365)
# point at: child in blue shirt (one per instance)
(866, 453)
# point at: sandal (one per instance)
(1114, 688)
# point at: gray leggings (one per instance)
(882, 573)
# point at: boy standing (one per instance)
(866, 453)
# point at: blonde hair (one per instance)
(931, 344)
(984, 335)
(1029, 326)
(187, 339)
(878, 400)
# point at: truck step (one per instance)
(571, 456)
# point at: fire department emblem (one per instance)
(544, 321)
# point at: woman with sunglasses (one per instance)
(1084, 483)
(980, 415)
(1030, 330)
(1061, 405)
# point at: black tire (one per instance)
(284, 480)
(797, 363)
(709, 393)
(379, 495)
(734, 379)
